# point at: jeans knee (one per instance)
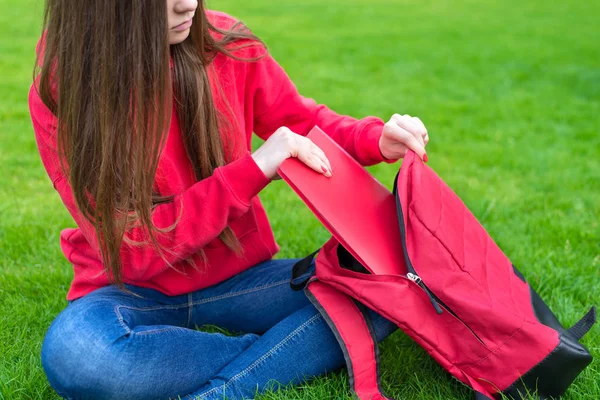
(77, 357)
(58, 354)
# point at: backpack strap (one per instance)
(582, 326)
(301, 268)
(353, 331)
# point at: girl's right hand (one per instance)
(284, 144)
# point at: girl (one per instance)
(143, 112)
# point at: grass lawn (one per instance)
(510, 93)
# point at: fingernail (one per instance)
(324, 169)
(425, 157)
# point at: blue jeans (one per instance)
(112, 345)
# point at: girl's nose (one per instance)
(183, 6)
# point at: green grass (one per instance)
(510, 93)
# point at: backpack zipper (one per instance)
(435, 301)
(412, 274)
(432, 298)
(417, 279)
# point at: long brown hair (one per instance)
(106, 75)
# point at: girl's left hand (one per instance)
(403, 132)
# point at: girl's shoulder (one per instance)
(242, 48)
(221, 20)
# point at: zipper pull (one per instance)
(417, 279)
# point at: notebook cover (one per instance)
(356, 208)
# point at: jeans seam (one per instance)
(117, 310)
(241, 292)
(189, 310)
(150, 332)
(120, 318)
(261, 358)
(189, 303)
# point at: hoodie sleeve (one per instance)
(201, 212)
(277, 103)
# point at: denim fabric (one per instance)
(113, 345)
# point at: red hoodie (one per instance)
(262, 99)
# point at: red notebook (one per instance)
(356, 208)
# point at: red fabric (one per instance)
(484, 292)
(399, 300)
(459, 261)
(261, 98)
(495, 336)
(350, 326)
(352, 204)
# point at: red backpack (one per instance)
(420, 258)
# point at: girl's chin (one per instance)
(178, 37)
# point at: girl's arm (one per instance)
(276, 103)
(203, 211)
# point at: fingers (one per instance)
(425, 134)
(303, 149)
(415, 128)
(320, 154)
(311, 155)
(314, 162)
(408, 139)
(283, 144)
